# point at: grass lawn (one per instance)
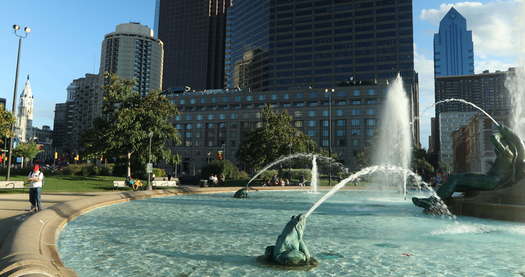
(71, 184)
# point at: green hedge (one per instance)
(225, 167)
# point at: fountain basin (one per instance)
(353, 233)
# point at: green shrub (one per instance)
(218, 167)
(268, 174)
(296, 174)
(159, 172)
(243, 175)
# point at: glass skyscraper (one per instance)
(282, 45)
(453, 47)
(193, 32)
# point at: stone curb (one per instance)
(31, 251)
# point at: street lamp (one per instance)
(329, 91)
(150, 166)
(27, 30)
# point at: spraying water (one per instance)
(294, 156)
(368, 171)
(394, 146)
(515, 84)
(315, 178)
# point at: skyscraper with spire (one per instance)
(24, 117)
(453, 47)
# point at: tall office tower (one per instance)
(24, 117)
(76, 116)
(193, 32)
(131, 52)
(453, 47)
(281, 45)
(287, 45)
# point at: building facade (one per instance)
(194, 36)
(448, 123)
(473, 148)
(217, 120)
(282, 45)
(132, 52)
(77, 115)
(453, 47)
(291, 45)
(44, 139)
(24, 116)
(486, 90)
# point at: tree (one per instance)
(275, 138)
(126, 122)
(6, 122)
(421, 164)
(27, 150)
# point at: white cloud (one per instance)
(495, 25)
(424, 66)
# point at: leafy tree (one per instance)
(218, 167)
(421, 164)
(127, 120)
(27, 150)
(277, 137)
(6, 122)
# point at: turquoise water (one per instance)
(352, 234)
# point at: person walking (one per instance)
(35, 179)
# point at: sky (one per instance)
(66, 39)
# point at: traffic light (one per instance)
(56, 156)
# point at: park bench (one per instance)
(11, 184)
(119, 184)
(174, 182)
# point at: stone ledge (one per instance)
(31, 249)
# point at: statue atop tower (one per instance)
(24, 117)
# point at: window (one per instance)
(178, 117)
(198, 125)
(370, 132)
(371, 122)
(356, 122)
(325, 113)
(311, 133)
(199, 117)
(371, 92)
(339, 112)
(325, 143)
(356, 92)
(325, 123)
(311, 113)
(211, 117)
(356, 132)
(222, 116)
(233, 116)
(274, 96)
(249, 98)
(189, 126)
(192, 101)
(356, 112)
(286, 96)
(298, 123)
(371, 111)
(355, 142)
(325, 133)
(340, 122)
(311, 123)
(261, 97)
(340, 133)
(356, 102)
(298, 114)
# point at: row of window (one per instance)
(369, 122)
(284, 96)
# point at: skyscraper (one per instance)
(131, 52)
(24, 117)
(281, 45)
(194, 33)
(453, 47)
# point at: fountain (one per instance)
(315, 178)
(394, 145)
(243, 193)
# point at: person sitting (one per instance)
(137, 184)
(129, 182)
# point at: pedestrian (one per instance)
(35, 180)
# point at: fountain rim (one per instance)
(23, 252)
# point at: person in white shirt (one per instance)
(35, 179)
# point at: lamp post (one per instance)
(149, 161)
(27, 30)
(329, 91)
